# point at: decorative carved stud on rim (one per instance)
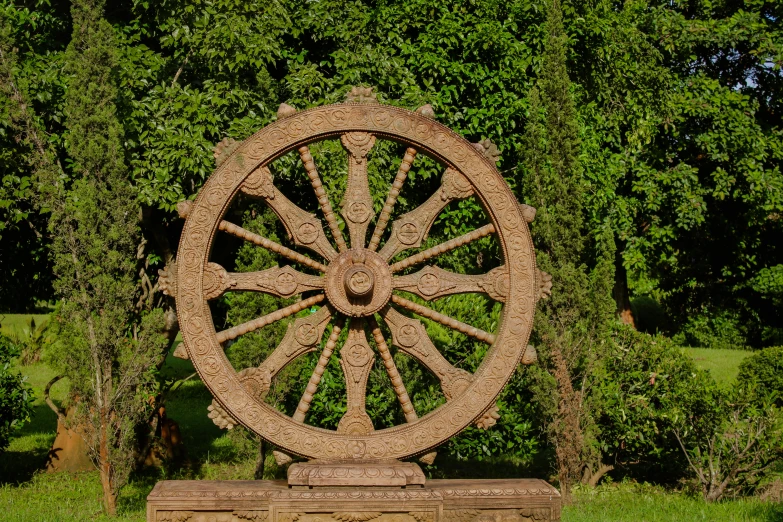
(353, 278)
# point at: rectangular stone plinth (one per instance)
(489, 500)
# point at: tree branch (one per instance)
(56, 409)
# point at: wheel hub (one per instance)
(358, 282)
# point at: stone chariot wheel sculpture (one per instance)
(354, 282)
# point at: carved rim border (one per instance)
(428, 136)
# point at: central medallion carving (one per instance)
(358, 282)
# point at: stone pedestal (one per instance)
(495, 500)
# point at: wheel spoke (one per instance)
(445, 320)
(411, 229)
(444, 247)
(255, 324)
(277, 281)
(356, 359)
(432, 282)
(277, 248)
(323, 198)
(410, 336)
(391, 370)
(303, 228)
(301, 337)
(281, 281)
(315, 378)
(357, 201)
(391, 199)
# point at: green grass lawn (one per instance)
(64, 497)
(645, 503)
(28, 494)
(722, 364)
(18, 323)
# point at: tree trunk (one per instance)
(69, 451)
(620, 291)
(603, 469)
(714, 494)
(105, 466)
(568, 435)
(259, 474)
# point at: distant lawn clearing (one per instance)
(17, 323)
(722, 364)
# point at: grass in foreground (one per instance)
(63, 497)
(30, 446)
(645, 503)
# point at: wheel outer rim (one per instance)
(428, 136)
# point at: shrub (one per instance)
(642, 387)
(763, 371)
(648, 314)
(714, 328)
(735, 454)
(32, 341)
(15, 396)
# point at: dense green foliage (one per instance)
(678, 111)
(732, 442)
(16, 398)
(643, 386)
(763, 371)
(661, 417)
(570, 325)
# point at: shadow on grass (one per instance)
(772, 512)
(448, 467)
(134, 496)
(29, 448)
(187, 405)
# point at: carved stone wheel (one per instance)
(358, 284)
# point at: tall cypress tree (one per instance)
(570, 324)
(107, 350)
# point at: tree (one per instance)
(697, 192)
(571, 325)
(106, 349)
(24, 263)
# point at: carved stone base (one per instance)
(387, 472)
(508, 500)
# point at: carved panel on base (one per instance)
(506, 500)
(347, 472)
